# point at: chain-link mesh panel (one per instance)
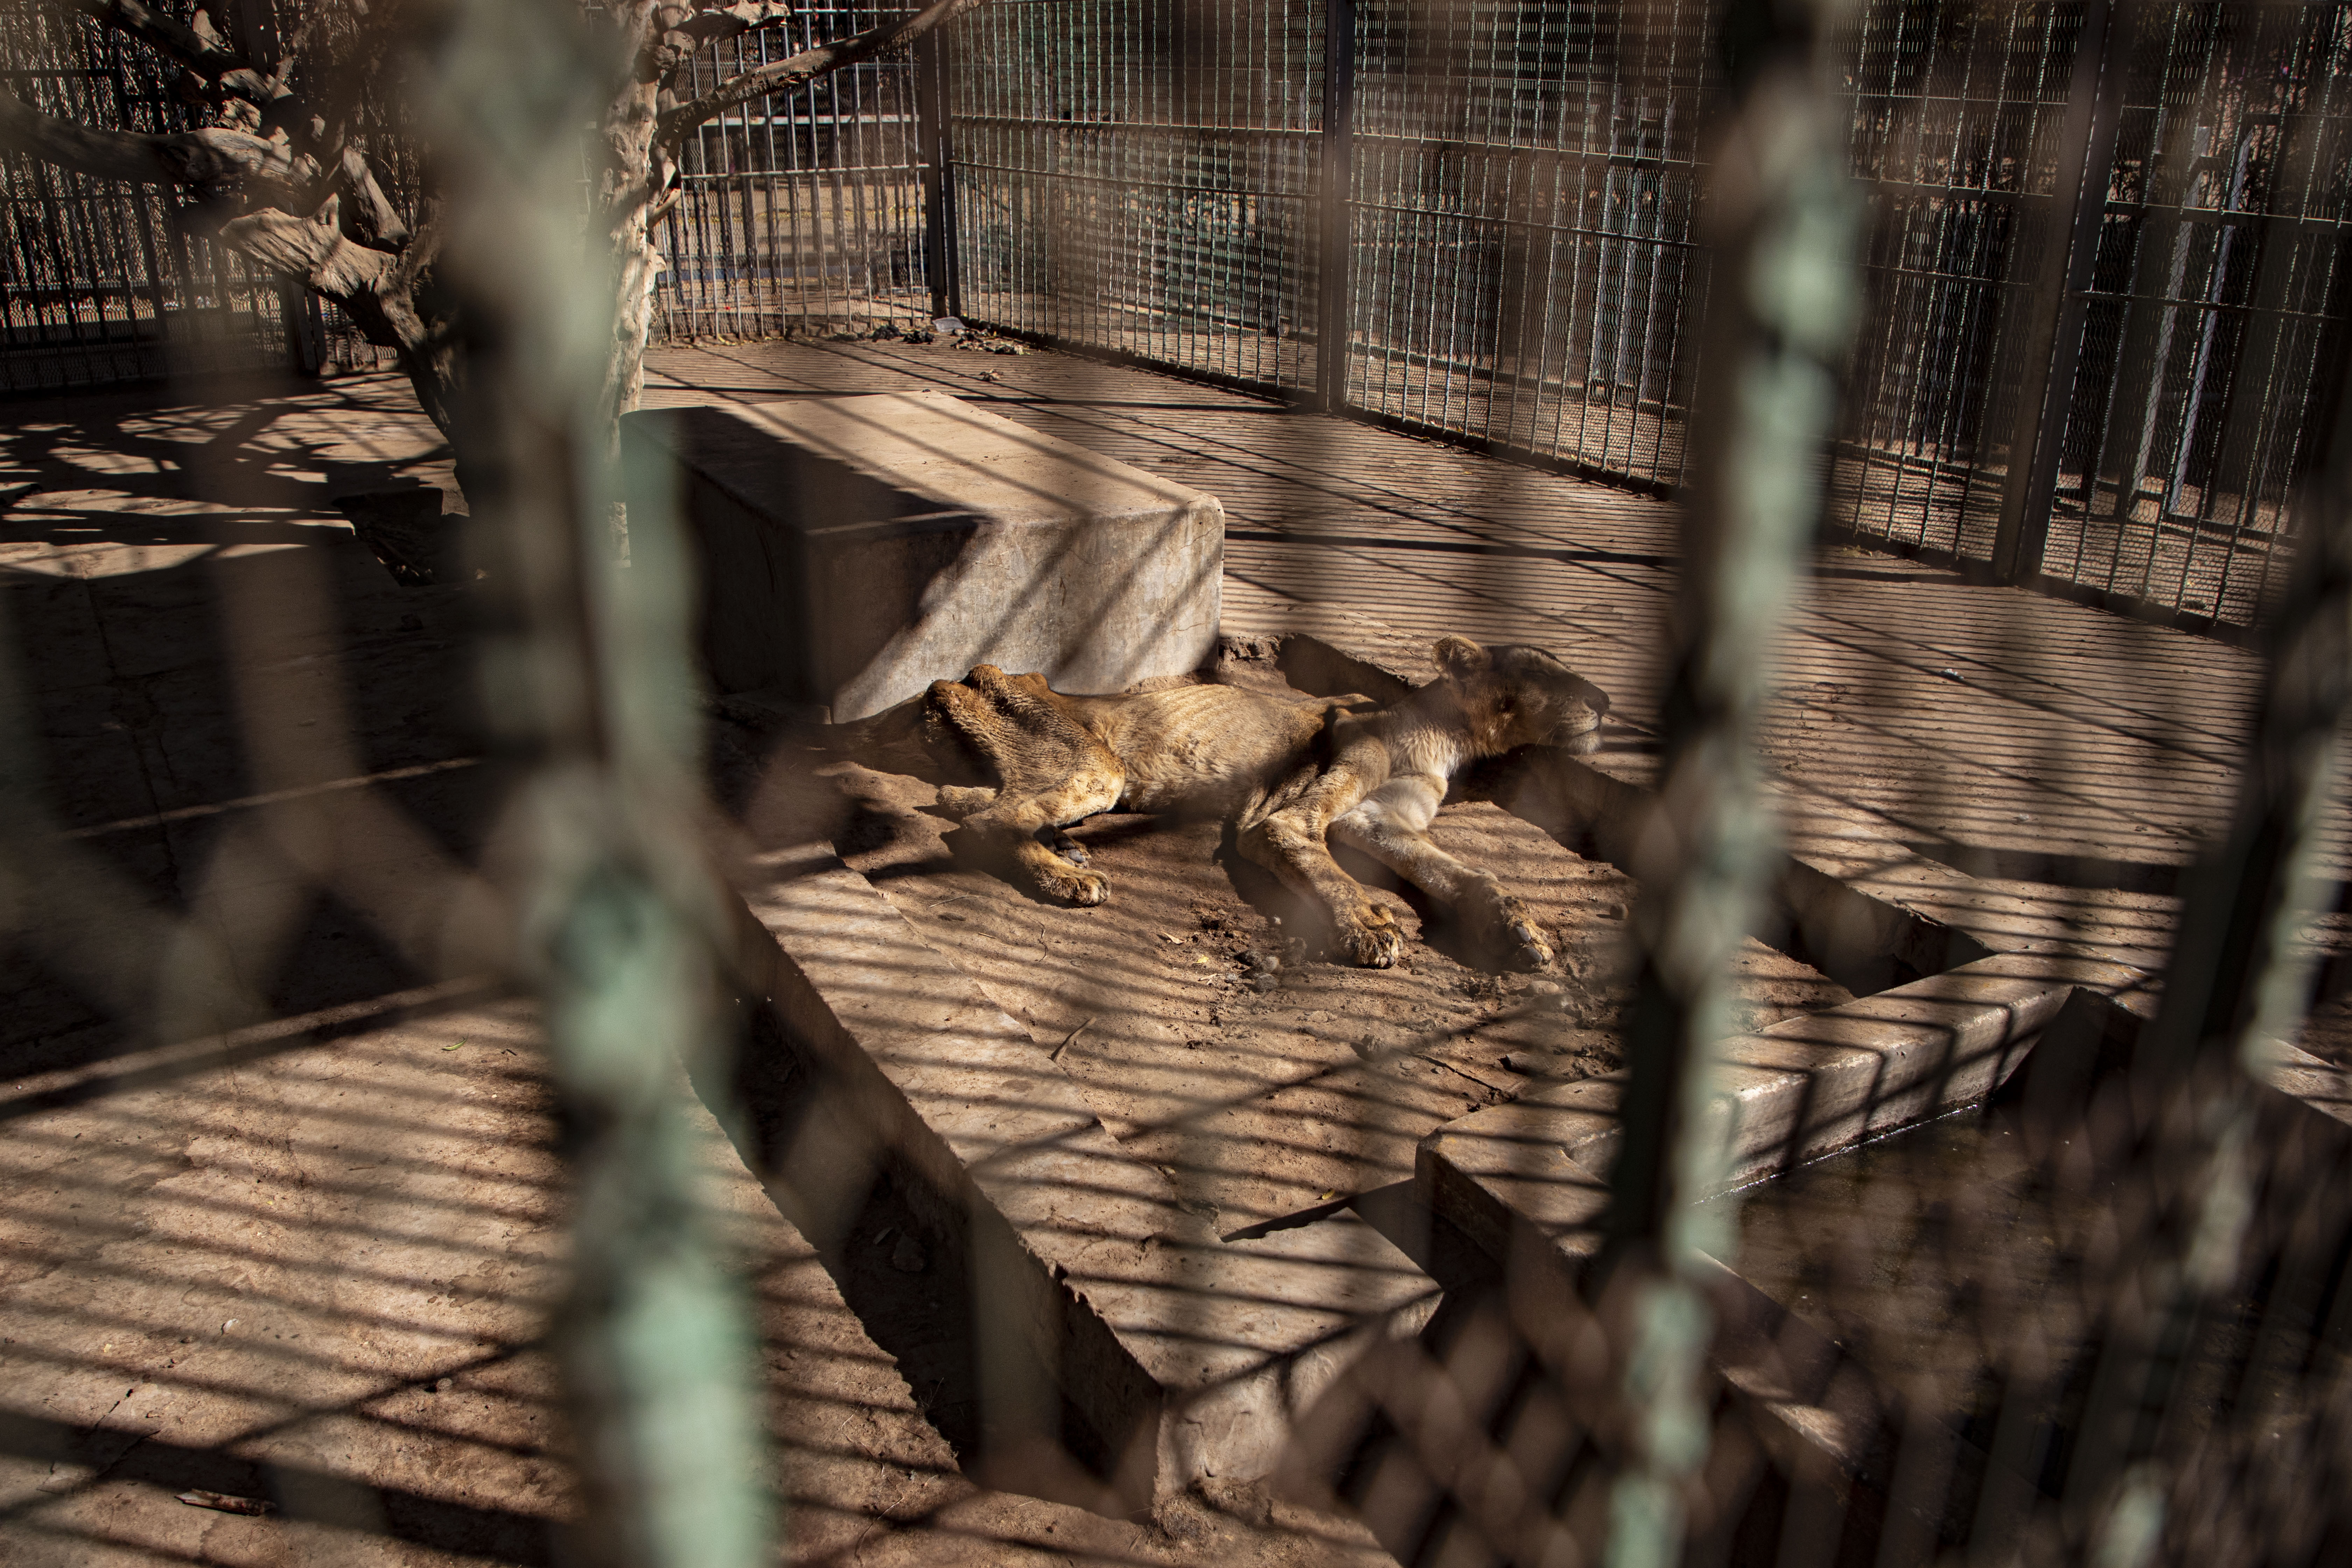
(800, 211)
(1141, 177)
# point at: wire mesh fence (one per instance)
(1521, 251)
(1955, 117)
(1141, 178)
(2216, 287)
(2180, 432)
(1156, 181)
(102, 283)
(801, 211)
(514, 1055)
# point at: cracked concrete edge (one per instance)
(1187, 1354)
(1795, 1092)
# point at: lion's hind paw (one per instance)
(1073, 885)
(1523, 945)
(1371, 937)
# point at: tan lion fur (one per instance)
(1291, 773)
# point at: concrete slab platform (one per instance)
(1788, 1094)
(1082, 1186)
(853, 550)
(1179, 1356)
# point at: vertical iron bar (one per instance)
(2055, 337)
(932, 141)
(1334, 262)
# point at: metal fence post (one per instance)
(1781, 221)
(305, 327)
(935, 146)
(1333, 305)
(2053, 336)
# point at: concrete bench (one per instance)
(853, 550)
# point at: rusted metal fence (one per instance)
(800, 212)
(2107, 272)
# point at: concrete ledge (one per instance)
(1119, 1331)
(1802, 1089)
(1182, 1356)
(1864, 944)
(853, 550)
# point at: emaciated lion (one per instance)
(1288, 771)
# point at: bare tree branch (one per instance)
(311, 251)
(376, 223)
(713, 23)
(782, 76)
(232, 73)
(166, 35)
(680, 31)
(204, 159)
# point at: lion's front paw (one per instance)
(1073, 885)
(1371, 937)
(1523, 946)
(1504, 924)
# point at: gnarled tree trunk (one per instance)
(279, 172)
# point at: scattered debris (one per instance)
(909, 1257)
(253, 1507)
(1064, 1045)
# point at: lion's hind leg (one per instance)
(1054, 773)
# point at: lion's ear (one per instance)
(1459, 656)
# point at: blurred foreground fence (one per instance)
(2090, 1302)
